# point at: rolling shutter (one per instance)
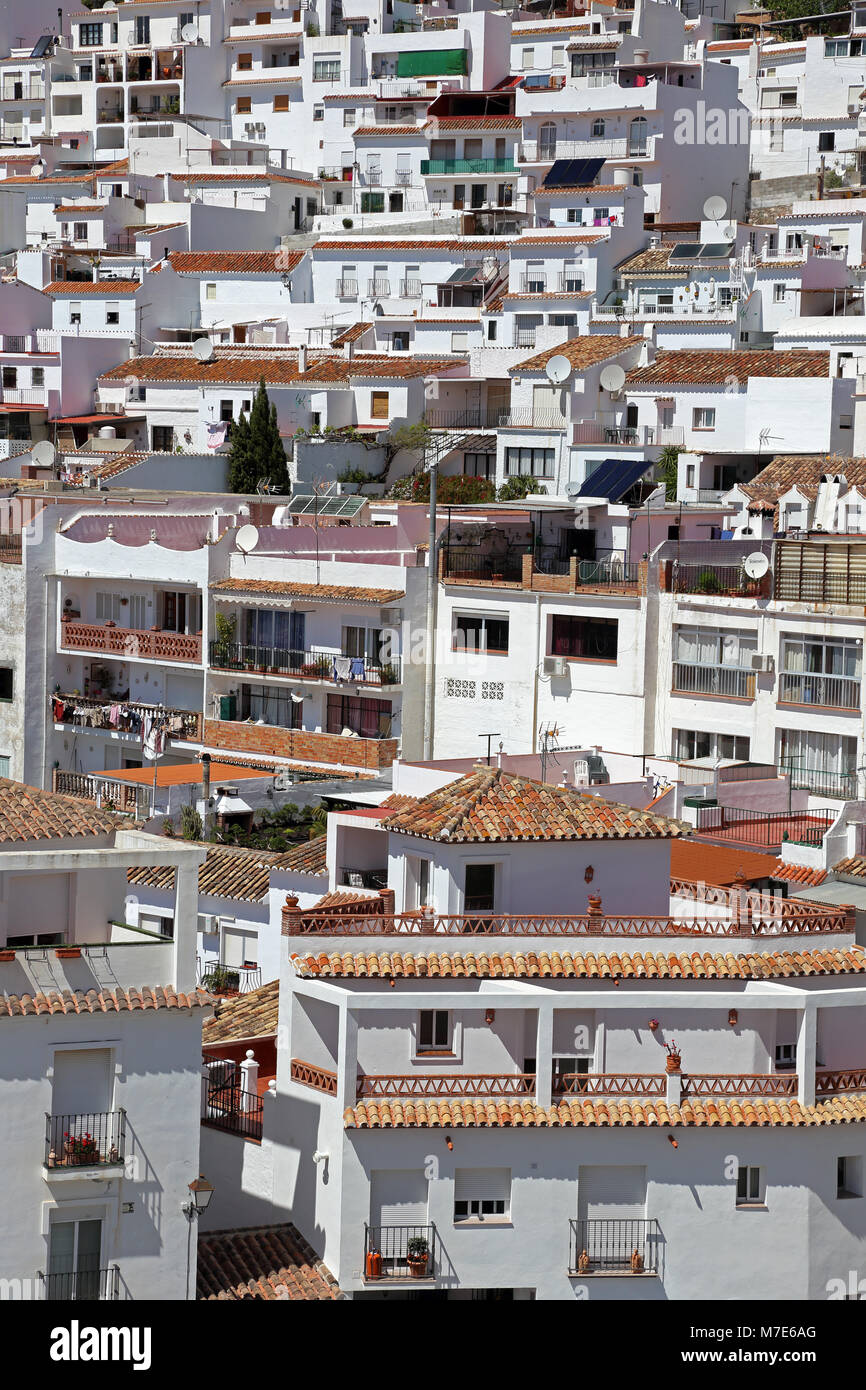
(477, 1183)
(611, 1192)
(398, 1197)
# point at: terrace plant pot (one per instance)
(67, 952)
(418, 1257)
(673, 1062)
(7, 955)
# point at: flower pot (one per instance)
(672, 1063)
(7, 955)
(67, 952)
(418, 1266)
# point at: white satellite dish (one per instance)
(715, 208)
(36, 169)
(43, 453)
(203, 349)
(247, 539)
(189, 33)
(558, 370)
(756, 565)
(612, 377)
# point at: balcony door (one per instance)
(74, 1258)
(179, 611)
(548, 406)
(398, 1197)
(81, 1085)
(479, 890)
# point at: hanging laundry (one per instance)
(216, 434)
(342, 668)
(357, 671)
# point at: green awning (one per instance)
(441, 62)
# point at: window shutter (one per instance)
(477, 1183)
(398, 1197)
(238, 946)
(281, 103)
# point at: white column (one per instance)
(185, 927)
(544, 1056)
(249, 1081)
(347, 1059)
(807, 1053)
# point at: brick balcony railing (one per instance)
(130, 642)
(302, 745)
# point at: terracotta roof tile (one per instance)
(579, 965)
(212, 176)
(279, 369)
(27, 813)
(581, 352)
(799, 873)
(854, 867)
(411, 245)
(475, 122)
(92, 1001)
(286, 589)
(336, 901)
(234, 262)
(262, 1262)
(120, 166)
(228, 872)
(351, 334)
(709, 367)
(376, 132)
(489, 804)
(253, 1015)
(697, 861)
(804, 471)
(456, 1114)
(308, 857)
(77, 288)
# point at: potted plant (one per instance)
(81, 1148)
(67, 952)
(418, 1255)
(673, 1059)
(219, 980)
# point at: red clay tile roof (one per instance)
(209, 176)
(696, 861)
(76, 288)
(120, 166)
(278, 369)
(411, 245)
(307, 857)
(799, 873)
(377, 131)
(475, 122)
(351, 334)
(802, 470)
(489, 804)
(462, 1114)
(253, 1015)
(287, 589)
(581, 352)
(228, 872)
(262, 1262)
(397, 801)
(335, 902)
(28, 813)
(105, 1001)
(235, 262)
(710, 367)
(854, 867)
(579, 965)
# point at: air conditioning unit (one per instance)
(763, 663)
(555, 666)
(209, 925)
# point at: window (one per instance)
(74, 1250)
(273, 704)
(482, 1194)
(527, 59)
(326, 69)
(473, 633)
(583, 639)
(826, 141)
(558, 57)
(281, 102)
(849, 1176)
(112, 312)
(263, 17)
(597, 128)
(492, 329)
(349, 116)
(785, 1056)
(749, 1187)
(400, 341)
(484, 466)
(703, 418)
(162, 438)
(5, 682)
(37, 378)
(90, 35)
(459, 342)
(245, 62)
(689, 744)
(210, 291)
(318, 113)
(779, 292)
(5, 764)
(479, 888)
(79, 231)
(142, 29)
(244, 106)
(434, 1028)
(366, 717)
(379, 405)
(714, 661)
(537, 463)
(846, 422)
(226, 411)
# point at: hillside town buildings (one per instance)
(432, 591)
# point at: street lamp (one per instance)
(200, 1191)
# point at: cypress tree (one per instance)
(240, 477)
(256, 448)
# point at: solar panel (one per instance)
(716, 250)
(42, 46)
(466, 273)
(348, 504)
(697, 251)
(613, 478)
(686, 251)
(570, 173)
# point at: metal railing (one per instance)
(410, 289)
(304, 665)
(608, 573)
(229, 1106)
(614, 1245)
(809, 688)
(347, 289)
(725, 681)
(82, 1285)
(472, 418)
(821, 781)
(730, 580)
(11, 550)
(94, 1140)
(378, 287)
(387, 1252)
(533, 284)
(749, 826)
(22, 395)
(470, 562)
(468, 166)
(403, 178)
(661, 435)
(530, 419)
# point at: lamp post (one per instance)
(200, 1193)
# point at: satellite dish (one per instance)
(36, 169)
(715, 208)
(203, 350)
(247, 539)
(189, 33)
(612, 377)
(756, 565)
(43, 453)
(558, 370)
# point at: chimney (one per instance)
(348, 350)
(205, 793)
(302, 358)
(165, 253)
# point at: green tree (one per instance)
(190, 823)
(256, 450)
(518, 486)
(667, 463)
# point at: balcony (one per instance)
(403, 178)
(614, 1245)
(23, 395)
(228, 1106)
(317, 1078)
(182, 723)
(337, 174)
(768, 829)
(311, 665)
(82, 1286)
(378, 288)
(726, 682)
(545, 569)
(43, 340)
(301, 745)
(472, 418)
(660, 436)
(821, 781)
(410, 289)
(131, 643)
(723, 581)
(467, 166)
(412, 1086)
(347, 289)
(399, 1252)
(809, 688)
(123, 798)
(532, 419)
(545, 151)
(85, 1141)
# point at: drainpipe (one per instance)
(436, 543)
(205, 793)
(537, 663)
